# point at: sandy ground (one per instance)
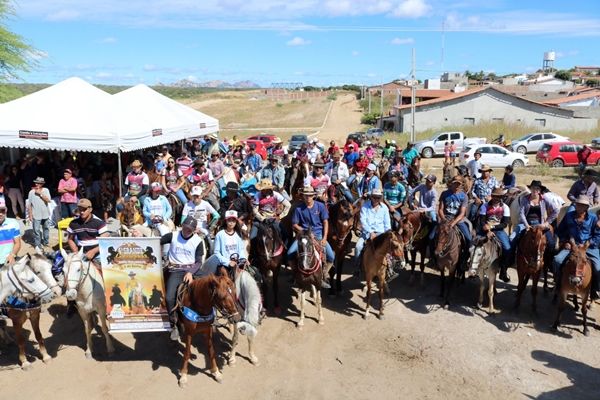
(419, 351)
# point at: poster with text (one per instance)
(133, 284)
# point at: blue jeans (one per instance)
(329, 254)
(593, 256)
(67, 209)
(41, 233)
(276, 225)
(464, 230)
(360, 244)
(433, 216)
(181, 196)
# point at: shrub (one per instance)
(369, 119)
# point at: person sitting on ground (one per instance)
(494, 217)
(509, 180)
(580, 226)
(313, 215)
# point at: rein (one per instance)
(453, 237)
(22, 287)
(82, 276)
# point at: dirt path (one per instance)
(344, 118)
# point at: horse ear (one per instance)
(63, 253)
(586, 245)
(80, 253)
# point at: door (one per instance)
(535, 142)
(487, 154)
(438, 144)
(501, 158)
(569, 154)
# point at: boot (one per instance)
(325, 281)
(71, 308)
(390, 274)
(503, 274)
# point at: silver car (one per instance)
(532, 142)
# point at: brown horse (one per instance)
(130, 216)
(447, 253)
(530, 262)
(308, 273)
(266, 253)
(576, 278)
(375, 259)
(205, 296)
(339, 237)
(414, 173)
(415, 228)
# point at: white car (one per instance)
(494, 156)
(532, 142)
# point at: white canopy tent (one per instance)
(75, 115)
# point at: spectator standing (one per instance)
(39, 213)
(67, 188)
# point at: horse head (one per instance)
(25, 283)
(575, 264)
(223, 295)
(130, 215)
(42, 267)
(397, 246)
(73, 270)
(533, 243)
(306, 249)
(443, 238)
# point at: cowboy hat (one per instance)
(39, 179)
(265, 184)
(131, 273)
(307, 190)
(213, 136)
(536, 183)
(276, 141)
(498, 192)
(582, 199)
(376, 192)
(136, 163)
(485, 168)
(319, 163)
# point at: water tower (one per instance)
(548, 64)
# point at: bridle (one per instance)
(82, 276)
(38, 273)
(227, 315)
(448, 246)
(22, 286)
(535, 261)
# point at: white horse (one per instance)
(249, 300)
(18, 279)
(85, 286)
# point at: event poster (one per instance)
(133, 284)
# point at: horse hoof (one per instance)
(299, 325)
(88, 355)
(47, 360)
(183, 381)
(366, 316)
(381, 317)
(277, 311)
(446, 306)
(479, 306)
(26, 366)
(586, 332)
(254, 361)
(218, 376)
(321, 322)
(232, 361)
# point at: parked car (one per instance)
(261, 149)
(532, 142)
(296, 141)
(564, 154)
(374, 133)
(435, 144)
(358, 137)
(494, 156)
(596, 143)
(265, 138)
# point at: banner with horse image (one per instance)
(133, 284)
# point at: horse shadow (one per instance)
(582, 376)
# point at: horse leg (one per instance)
(442, 282)
(491, 290)
(231, 360)
(575, 304)
(481, 287)
(276, 291)
(584, 311)
(534, 284)
(339, 266)
(35, 325)
(87, 326)
(186, 359)
(253, 358)
(381, 285)
(422, 269)
(451, 277)
(300, 323)
(561, 306)
(18, 320)
(523, 278)
(317, 297)
(102, 316)
(413, 265)
(368, 297)
(214, 369)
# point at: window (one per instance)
(567, 148)
(443, 137)
(546, 147)
(497, 119)
(536, 137)
(549, 136)
(500, 151)
(469, 121)
(485, 150)
(540, 121)
(455, 136)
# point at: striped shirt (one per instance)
(9, 231)
(87, 233)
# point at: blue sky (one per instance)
(316, 42)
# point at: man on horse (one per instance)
(253, 162)
(337, 170)
(375, 220)
(350, 154)
(236, 202)
(157, 209)
(394, 194)
(369, 182)
(453, 208)
(185, 258)
(482, 189)
(10, 236)
(579, 226)
(427, 200)
(319, 180)
(584, 187)
(136, 182)
(313, 215)
(494, 217)
(200, 210)
(274, 172)
(410, 153)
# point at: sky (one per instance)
(313, 42)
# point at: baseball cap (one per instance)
(232, 186)
(189, 222)
(376, 192)
(372, 167)
(2, 202)
(196, 191)
(431, 178)
(155, 186)
(231, 214)
(84, 203)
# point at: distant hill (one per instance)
(186, 83)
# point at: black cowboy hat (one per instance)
(537, 183)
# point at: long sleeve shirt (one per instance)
(277, 175)
(374, 220)
(253, 162)
(366, 184)
(427, 198)
(548, 212)
(337, 171)
(580, 189)
(569, 229)
(157, 207)
(474, 166)
(225, 245)
(509, 181)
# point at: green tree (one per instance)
(563, 74)
(16, 55)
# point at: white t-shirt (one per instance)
(200, 213)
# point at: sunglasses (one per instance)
(2, 210)
(82, 209)
(171, 162)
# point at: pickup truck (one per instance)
(435, 145)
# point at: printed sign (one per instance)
(133, 284)
(156, 132)
(202, 125)
(33, 135)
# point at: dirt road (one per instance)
(343, 118)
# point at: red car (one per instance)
(261, 150)
(564, 154)
(266, 139)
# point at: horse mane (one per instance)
(380, 239)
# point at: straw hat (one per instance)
(265, 184)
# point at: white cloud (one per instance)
(564, 54)
(355, 53)
(192, 78)
(149, 67)
(401, 41)
(108, 40)
(412, 9)
(37, 55)
(63, 15)
(103, 75)
(297, 41)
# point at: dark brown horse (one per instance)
(414, 173)
(341, 217)
(266, 253)
(415, 229)
(576, 278)
(530, 262)
(375, 259)
(447, 253)
(308, 272)
(130, 216)
(205, 296)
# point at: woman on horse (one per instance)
(494, 216)
(277, 149)
(535, 210)
(369, 151)
(369, 181)
(398, 164)
(227, 242)
(172, 180)
(269, 206)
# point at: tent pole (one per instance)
(120, 173)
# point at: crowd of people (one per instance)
(227, 184)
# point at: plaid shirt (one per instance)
(482, 189)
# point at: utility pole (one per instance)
(413, 95)
(381, 109)
(369, 100)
